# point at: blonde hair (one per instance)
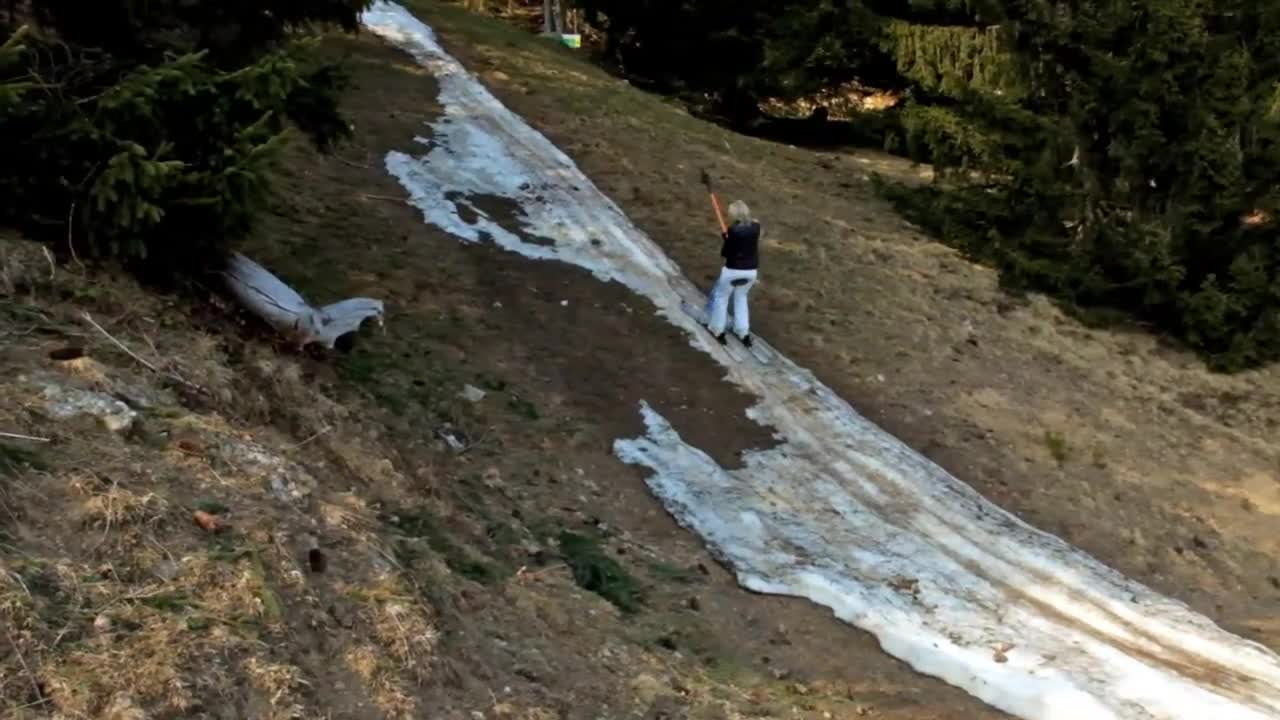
(739, 213)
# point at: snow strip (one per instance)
(841, 512)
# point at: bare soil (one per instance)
(370, 570)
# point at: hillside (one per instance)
(520, 570)
(1111, 440)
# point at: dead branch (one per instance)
(313, 436)
(171, 375)
(17, 436)
(371, 196)
(35, 683)
(351, 163)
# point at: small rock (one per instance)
(472, 393)
(66, 403)
(287, 481)
(166, 570)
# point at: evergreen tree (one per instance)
(153, 135)
(735, 54)
(1138, 171)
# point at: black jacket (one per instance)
(741, 249)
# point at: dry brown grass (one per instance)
(115, 603)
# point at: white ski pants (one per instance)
(732, 285)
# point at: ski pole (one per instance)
(715, 202)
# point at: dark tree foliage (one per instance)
(734, 53)
(1139, 172)
(231, 31)
(146, 130)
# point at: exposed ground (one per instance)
(449, 585)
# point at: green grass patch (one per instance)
(1057, 446)
(227, 548)
(421, 523)
(668, 573)
(168, 602)
(211, 506)
(523, 408)
(594, 570)
(14, 459)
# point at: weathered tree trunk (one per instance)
(281, 307)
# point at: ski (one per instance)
(734, 348)
(700, 316)
(760, 354)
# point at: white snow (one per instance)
(840, 512)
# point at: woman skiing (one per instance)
(740, 251)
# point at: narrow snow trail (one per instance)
(840, 512)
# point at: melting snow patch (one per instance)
(841, 512)
(1035, 648)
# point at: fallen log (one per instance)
(281, 307)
